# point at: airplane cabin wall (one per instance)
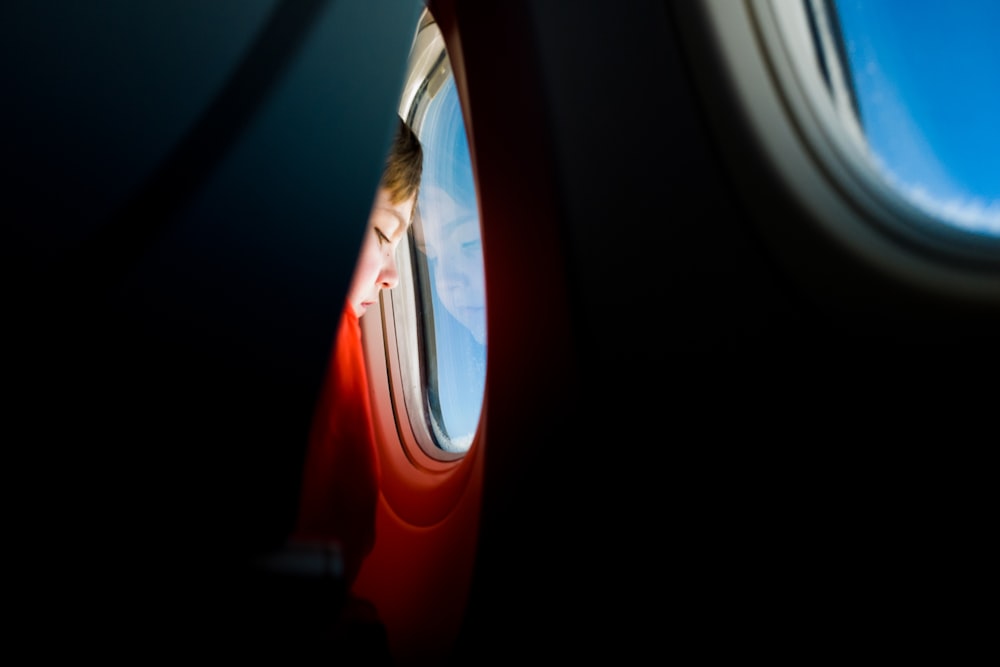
(685, 445)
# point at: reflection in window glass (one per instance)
(450, 260)
(925, 77)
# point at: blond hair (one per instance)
(404, 165)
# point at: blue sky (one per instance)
(927, 75)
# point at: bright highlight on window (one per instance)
(925, 76)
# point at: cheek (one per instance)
(369, 263)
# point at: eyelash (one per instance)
(382, 238)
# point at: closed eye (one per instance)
(382, 238)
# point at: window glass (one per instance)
(925, 77)
(449, 255)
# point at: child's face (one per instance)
(376, 267)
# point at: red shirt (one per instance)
(340, 480)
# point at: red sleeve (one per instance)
(340, 479)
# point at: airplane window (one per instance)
(444, 365)
(924, 76)
(451, 260)
(878, 118)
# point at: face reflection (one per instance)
(376, 268)
(451, 237)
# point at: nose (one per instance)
(388, 277)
